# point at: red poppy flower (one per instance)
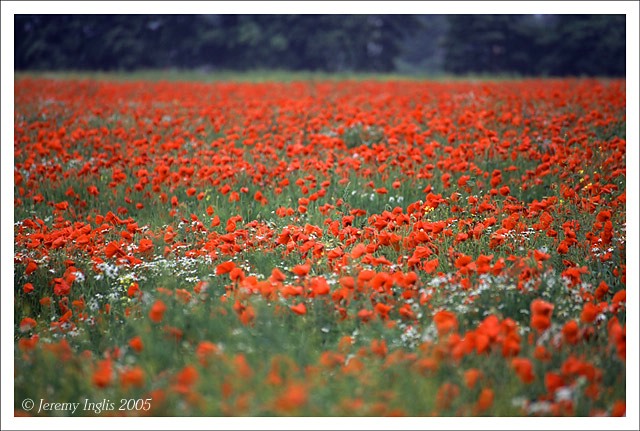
(485, 400)
(156, 314)
(446, 322)
(132, 377)
(136, 344)
(301, 270)
(103, 376)
(471, 377)
(225, 267)
(299, 309)
(524, 369)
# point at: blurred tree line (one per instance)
(503, 44)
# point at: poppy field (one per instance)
(320, 248)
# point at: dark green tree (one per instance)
(423, 50)
(585, 45)
(493, 44)
(536, 45)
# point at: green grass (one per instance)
(257, 76)
(362, 381)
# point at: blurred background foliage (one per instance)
(525, 45)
